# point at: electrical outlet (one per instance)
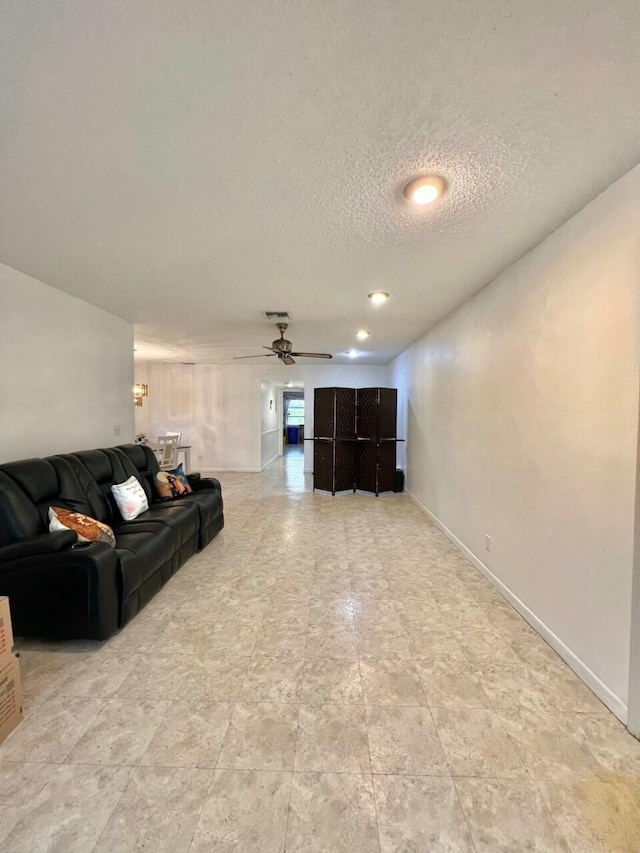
(487, 542)
(117, 429)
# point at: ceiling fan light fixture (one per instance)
(378, 297)
(424, 190)
(361, 334)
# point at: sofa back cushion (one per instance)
(98, 464)
(120, 464)
(19, 518)
(73, 494)
(98, 503)
(36, 477)
(107, 468)
(42, 484)
(141, 456)
(142, 463)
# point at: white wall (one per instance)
(270, 423)
(66, 371)
(521, 412)
(633, 718)
(217, 407)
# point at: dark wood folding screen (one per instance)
(354, 439)
(334, 436)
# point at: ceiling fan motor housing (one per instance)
(282, 345)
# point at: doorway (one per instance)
(293, 422)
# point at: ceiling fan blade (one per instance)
(259, 355)
(312, 354)
(286, 359)
(271, 348)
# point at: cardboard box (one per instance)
(6, 632)
(10, 697)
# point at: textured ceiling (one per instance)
(187, 165)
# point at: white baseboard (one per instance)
(614, 702)
(269, 462)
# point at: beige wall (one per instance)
(521, 413)
(66, 371)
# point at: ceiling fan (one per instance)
(282, 348)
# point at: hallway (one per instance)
(332, 675)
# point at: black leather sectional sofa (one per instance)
(62, 589)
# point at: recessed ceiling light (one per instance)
(424, 190)
(353, 353)
(378, 297)
(362, 334)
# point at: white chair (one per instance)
(179, 434)
(168, 451)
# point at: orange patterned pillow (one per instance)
(88, 529)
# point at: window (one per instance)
(295, 412)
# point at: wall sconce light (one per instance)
(140, 391)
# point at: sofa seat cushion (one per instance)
(182, 519)
(142, 553)
(208, 505)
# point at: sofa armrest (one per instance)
(45, 543)
(72, 593)
(200, 483)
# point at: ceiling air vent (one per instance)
(276, 315)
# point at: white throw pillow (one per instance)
(130, 498)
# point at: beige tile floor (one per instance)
(330, 674)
